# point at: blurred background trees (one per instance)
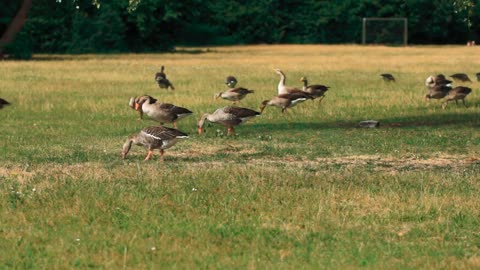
(113, 26)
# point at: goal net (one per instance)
(392, 31)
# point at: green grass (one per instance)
(306, 189)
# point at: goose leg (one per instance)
(463, 101)
(456, 102)
(320, 100)
(149, 155)
(161, 154)
(141, 115)
(444, 105)
(174, 124)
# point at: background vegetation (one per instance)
(306, 189)
(86, 26)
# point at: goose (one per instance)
(234, 94)
(158, 137)
(316, 90)
(439, 79)
(462, 77)
(162, 80)
(285, 101)
(459, 92)
(3, 103)
(282, 89)
(387, 77)
(161, 112)
(231, 81)
(438, 92)
(229, 116)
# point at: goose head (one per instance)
(231, 81)
(263, 105)
(201, 122)
(142, 99)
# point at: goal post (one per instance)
(405, 27)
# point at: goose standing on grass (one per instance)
(228, 116)
(231, 81)
(286, 101)
(161, 112)
(162, 80)
(438, 92)
(234, 94)
(282, 88)
(3, 103)
(437, 80)
(462, 77)
(388, 77)
(152, 138)
(459, 92)
(316, 90)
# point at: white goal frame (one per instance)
(405, 27)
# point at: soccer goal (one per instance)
(385, 31)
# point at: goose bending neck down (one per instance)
(229, 116)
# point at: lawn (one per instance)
(305, 189)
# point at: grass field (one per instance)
(306, 189)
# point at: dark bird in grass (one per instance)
(231, 81)
(162, 80)
(3, 103)
(234, 94)
(437, 80)
(161, 112)
(285, 101)
(438, 92)
(462, 77)
(459, 92)
(158, 137)
(387, 77)
(229, 116)
(316, 90)
(478, 76)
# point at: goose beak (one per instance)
(200, 131)
(137, 106)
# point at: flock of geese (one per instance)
(162, 137)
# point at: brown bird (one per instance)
(161, 112)
(231, 81)
(234, 94)
(462, 77)
(282, 88)
(437, 92)
(387, 77)
(459, 92)
(316, 90)
(286, 101)
(3, 103)
(152, 138)
(162, 80)
(228, 116)
(437, 80)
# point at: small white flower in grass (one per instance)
(153, 248)
(194, 189)
(34, 189)
(77, 239)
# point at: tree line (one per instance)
(115, 26)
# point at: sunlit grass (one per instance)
(304, 189)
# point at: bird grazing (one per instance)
(228, 116)
(161, 112)
(3, 103)
(286, 101)
(234, 94)
(152, 138)
(478, 76)
(316, 90)
(437, 80)
(231, 81)
(387, 77)
(462, 77)
(459, 92)
(438, 92)
(162, 80)
(282, 88)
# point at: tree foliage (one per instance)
(89, 26)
